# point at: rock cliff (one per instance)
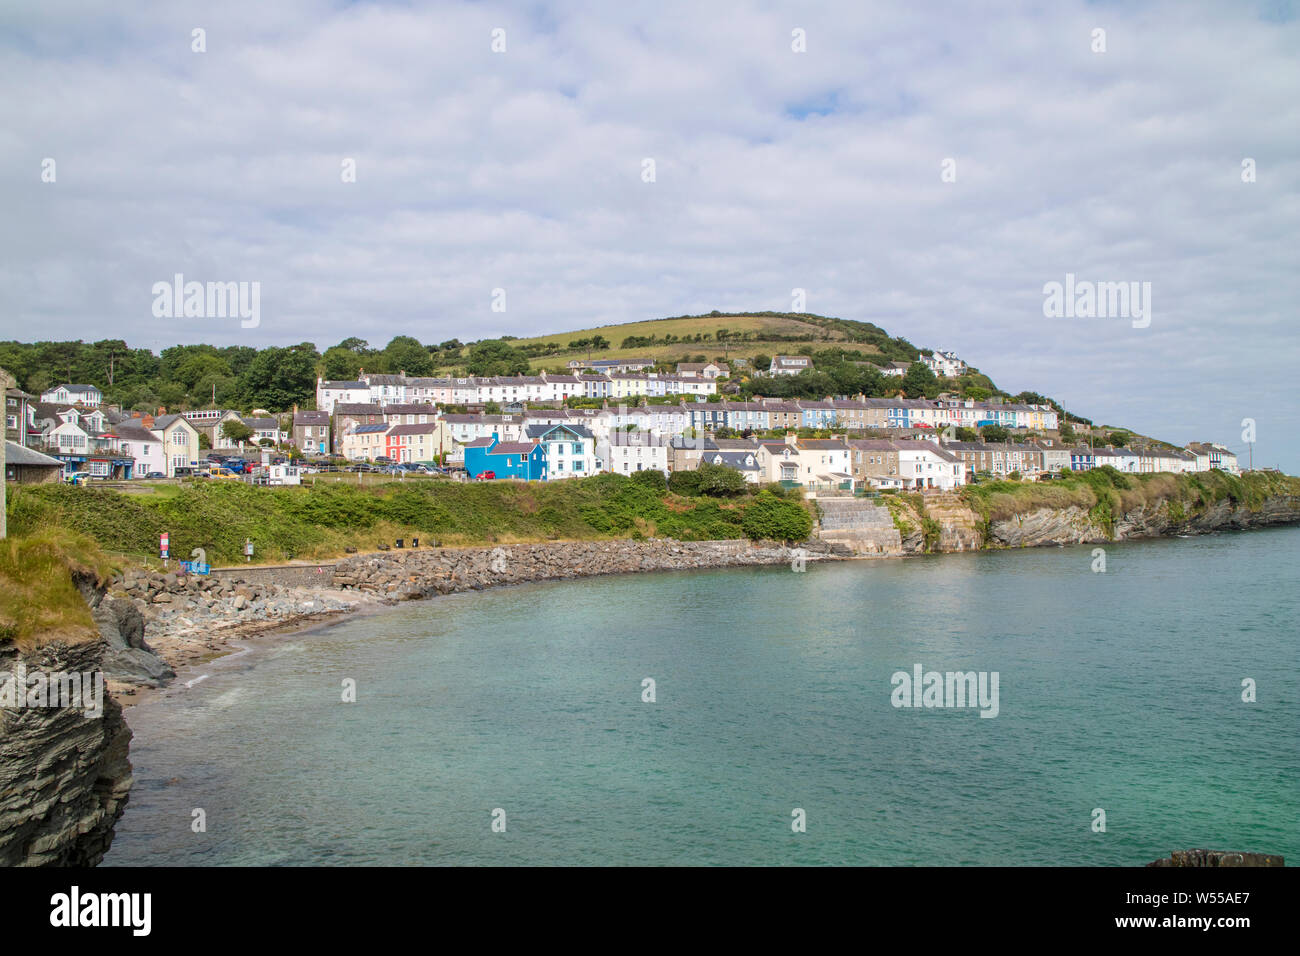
(64, 776)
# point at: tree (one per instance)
(919, 382)
(963, 433)
(719, 481)
(236, 431)
(279, 378)
(406, 354)
(494, 357)
(995, 433)
(340, 364)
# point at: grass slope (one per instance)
(322, 521)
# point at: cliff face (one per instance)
(1074, 525)
(64, 776)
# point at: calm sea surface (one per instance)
(1120, 691)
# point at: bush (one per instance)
(771, 518)
(684, 483)
(719, 481)
(652, 480)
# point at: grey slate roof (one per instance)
(16, 454)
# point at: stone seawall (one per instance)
(423, 573)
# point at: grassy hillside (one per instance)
(750, 334)
(321, 522)
(39, 602)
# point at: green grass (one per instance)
(1106, 494)
(767, 333)
(40, 600)
(323, 521)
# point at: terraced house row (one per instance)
(399, 389)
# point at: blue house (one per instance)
(570, 450)
(818, 414)
(523, 460)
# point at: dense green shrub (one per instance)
(769, 517)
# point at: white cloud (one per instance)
(775, 170)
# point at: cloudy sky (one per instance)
(774, 170)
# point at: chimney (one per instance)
(791, 439)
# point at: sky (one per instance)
(928, 168)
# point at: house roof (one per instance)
(426, 429)
(343, 384)
(83, 389)
(16, 454)
(370, 429)
(740, 460)
(541, 431)
(357, 408)
(133, 430)
(311, 417)
(513, 448)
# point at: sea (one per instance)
(1120, 702)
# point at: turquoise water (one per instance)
(1120, 691)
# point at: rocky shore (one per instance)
(191, 619)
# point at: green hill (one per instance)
(717, 335)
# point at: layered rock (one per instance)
(960, 525)
(1199, 858)
(64, 776)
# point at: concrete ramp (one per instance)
(859, 524)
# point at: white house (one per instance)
(67, 438)
(626, 452)
(264, 429)
(141, 444)
(789, 364)
(73, 395)
(329, 394)
(923, 464)
(1214, 456)
(944, 364)
(813, 463)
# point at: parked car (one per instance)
(154, 475)
(485, 476)
(383, 460)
